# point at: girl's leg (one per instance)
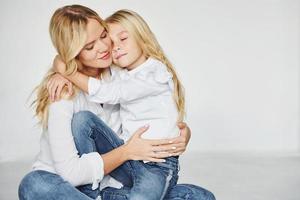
(45, 185)
(178, 192)
(91, 134)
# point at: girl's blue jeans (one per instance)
(141, 180)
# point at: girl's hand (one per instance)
(55, 86)
(178, 145)
(146, 149)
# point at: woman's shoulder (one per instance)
(61, 105)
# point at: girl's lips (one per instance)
(106, 56)
(119, 56)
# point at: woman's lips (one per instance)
(106, 56)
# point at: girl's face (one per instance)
(97, 51)
(126, 52)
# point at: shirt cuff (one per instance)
(97, 170)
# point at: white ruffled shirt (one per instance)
(145, 95)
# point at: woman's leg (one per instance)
(189, 192)
(91, 134)
(41, 184)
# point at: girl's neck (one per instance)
(140, 60)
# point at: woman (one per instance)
(59, 168)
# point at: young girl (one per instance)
(148, 91)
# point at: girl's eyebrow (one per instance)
(122, 32)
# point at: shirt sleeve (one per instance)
(124, 90)
(77, 170)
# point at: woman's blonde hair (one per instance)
(140, 30)
(68, 34)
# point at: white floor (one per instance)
(228, 176)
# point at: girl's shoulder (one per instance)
(155, 70)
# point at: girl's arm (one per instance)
(78, 78)
(112, 92)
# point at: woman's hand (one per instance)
(178, 145)
(147, 149)
(55, 86)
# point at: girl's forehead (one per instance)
(115, 28)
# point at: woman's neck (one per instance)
(93, 72)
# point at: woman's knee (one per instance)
(80, 121)
(32, 186)
(85, 119)
(197, 191)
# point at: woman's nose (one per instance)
(101, 46)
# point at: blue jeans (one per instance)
(40, 184)
(141, 181)
(45, 185)
(148, 181)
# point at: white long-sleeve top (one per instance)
(145, 95)
(58, 153)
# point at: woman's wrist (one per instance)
(124, 153)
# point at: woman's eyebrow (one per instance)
(104, 30)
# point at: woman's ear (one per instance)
(79, 65)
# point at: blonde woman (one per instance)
(59, 171)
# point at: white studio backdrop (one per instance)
(238, 60)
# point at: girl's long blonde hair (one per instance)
(137, 27)
(68, 34)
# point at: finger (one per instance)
(140, 131)
(164, 148)
(48, 85)
(179, 139)
(159, 142)
(181, 125)
(177, 150)
(70, 88)
(58, 91)
(50, 91)
(177, 154)
(53, 90)
(155, 160)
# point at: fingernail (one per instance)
(171, 141)
(163, 160)
(146, 126)
(170, 155)
(173, 147)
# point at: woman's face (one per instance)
(97, 51)
(126, 51)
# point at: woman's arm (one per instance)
(92, 166)
(136, 148)
(77, 170)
